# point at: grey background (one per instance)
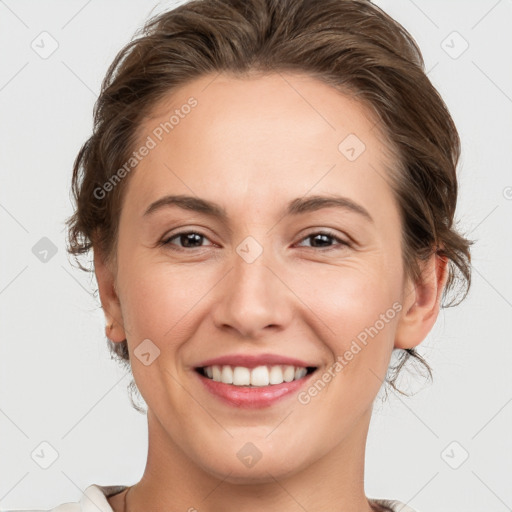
(57, 382)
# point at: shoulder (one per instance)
(393, 505)
(94, 499)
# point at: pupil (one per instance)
(189, 237)
(325, 238)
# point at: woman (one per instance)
(269, 195)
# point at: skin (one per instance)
(252, 145)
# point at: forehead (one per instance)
(221, 136)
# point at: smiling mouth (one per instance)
(259, 376)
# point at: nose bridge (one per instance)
(253, 297)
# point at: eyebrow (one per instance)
(297, 206)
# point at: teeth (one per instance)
(300, 372)
(226, 375)
(275, 375)
(289, 373)
(241, 376)
(258, 376)
(216, 372)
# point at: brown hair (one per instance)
(349, 44)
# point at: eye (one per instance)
(189, 239)
(194, 239)
(323, 237)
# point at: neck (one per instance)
(172, 481)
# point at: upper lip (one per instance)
(251, 361)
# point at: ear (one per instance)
(109, 300)
(421, 304)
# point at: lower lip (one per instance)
(252, 397)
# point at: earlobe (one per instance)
(422, 303)
(109, 299)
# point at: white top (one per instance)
(94, 499)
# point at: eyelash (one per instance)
(342, 243)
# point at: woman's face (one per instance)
(262, 280)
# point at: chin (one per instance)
(261, 473)
(247, 464)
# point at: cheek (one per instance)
(159, 302)
(156, 298)
(349, 297)
(355, 308)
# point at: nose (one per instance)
(253, 298)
